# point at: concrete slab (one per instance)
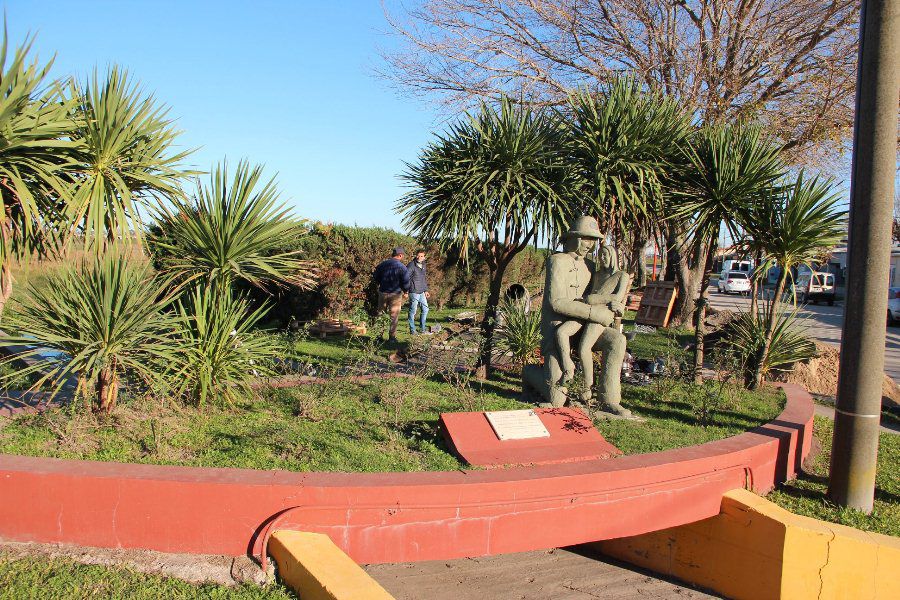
(575, 573)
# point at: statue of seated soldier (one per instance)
(581, 302)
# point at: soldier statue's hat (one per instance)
(585, 227)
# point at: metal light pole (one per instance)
(856, 419)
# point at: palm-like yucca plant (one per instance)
(222, 354)
(794, 228)
(729, 168)
(35, 125)
(623, 140)
(491, 184)
(103, 322)
(747, 335)
(232, 230)
(520, 330)
(128, 158)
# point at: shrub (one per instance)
(346, 257)
(745, 337)
(103, 323)
(519, 331)
(221, 353)
(232, 231)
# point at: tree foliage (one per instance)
(231, 231)
(127, 158)
(493, 183)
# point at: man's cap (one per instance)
(585, 227)
(398, 251)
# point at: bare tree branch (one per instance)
(787, 63)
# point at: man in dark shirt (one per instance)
(418, 291)
(393, 284)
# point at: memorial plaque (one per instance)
(516, 424)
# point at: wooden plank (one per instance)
(656, 304)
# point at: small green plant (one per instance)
(221, 353)
(396, 394)
(519, 332)
(101, 323)
(746, 336)
(705, 400)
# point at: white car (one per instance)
(734, 282)
(893, 305)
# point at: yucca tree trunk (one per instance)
(6, 285)
(637, 259)
(700, 314)
(107, 390)
(770, 330)
(755, 285)
(489, 321)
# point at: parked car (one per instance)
(893, 315)
(815, 286)
(734, 282)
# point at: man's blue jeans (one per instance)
(415, 301)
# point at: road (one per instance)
(822, 323)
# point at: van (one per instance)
(744, 266)
(815, 286)
(734, 282)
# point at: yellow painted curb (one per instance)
(314, 567)
(755, 549)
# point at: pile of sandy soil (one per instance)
(717, 319)
(819, 375)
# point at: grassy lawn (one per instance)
(386, 425)
(41, 577)
(673, 412)
(383, 425)
(807, 494)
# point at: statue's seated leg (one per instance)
(589, 337)
(564, 334)
(612, 344)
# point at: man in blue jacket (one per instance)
(418, 291)
(393, 284)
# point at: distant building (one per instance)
(837, 264)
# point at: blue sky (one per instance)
(287, 84)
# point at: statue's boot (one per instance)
(617, 409)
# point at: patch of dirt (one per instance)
(717, 319)
(575, 573)
(819, 375)
(193, 568)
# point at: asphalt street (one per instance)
(822, 323)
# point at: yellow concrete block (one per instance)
(314, 567)
(755, 549)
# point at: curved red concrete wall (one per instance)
(394, 517)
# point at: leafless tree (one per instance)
(788, 63)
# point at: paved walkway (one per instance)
(570, 574)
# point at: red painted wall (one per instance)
(394, 517)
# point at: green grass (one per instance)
(806, 495)
(37, 577)
(382, 425)
(667, 343)
(671, 412)
(388, 425)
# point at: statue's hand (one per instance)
(617, 307)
